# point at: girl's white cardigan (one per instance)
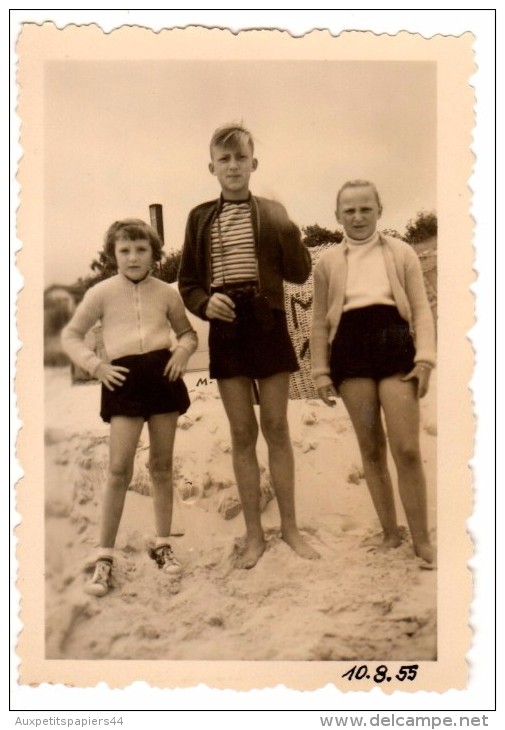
(406, 278)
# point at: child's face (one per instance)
(233, 167)
(134, 258)
(358, 211)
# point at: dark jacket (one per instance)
(279, 251)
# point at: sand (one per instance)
(353, 603)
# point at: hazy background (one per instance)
(122, 135)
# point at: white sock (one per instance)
(104, 552)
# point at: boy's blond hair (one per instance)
(231, 135)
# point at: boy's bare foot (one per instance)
(297, 543)
(253, 552)
(391, 541)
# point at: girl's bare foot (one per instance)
(426, 553)
(383, 542)
(253, 552)
(297, 543)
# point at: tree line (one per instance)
(422, 227)
(419, 229)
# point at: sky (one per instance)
(120, 135)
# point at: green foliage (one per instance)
(56, 316)
(57, 313)
(169, 267)
(424, 226)
(316, 235)
(103, 266)
(393, 232)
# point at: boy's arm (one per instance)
(296, 261)
(191, 288)
(88, 312)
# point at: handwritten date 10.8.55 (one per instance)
(381, 673)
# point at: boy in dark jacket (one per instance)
(237, 252)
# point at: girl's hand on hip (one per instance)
(220, 306)
(176, 366)
(420, 372)
(111, 375)
(328, 394)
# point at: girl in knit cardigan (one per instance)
(373, 343)
(141, 380)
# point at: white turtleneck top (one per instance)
(331, 294)
(367, 279)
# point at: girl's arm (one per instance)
(423, 324)
(88, 312)
(319, 347)
(421, 372)
(187, 340)
(422, 316)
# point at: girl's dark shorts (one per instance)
(371, 342)
(146, 391)
(256, 345)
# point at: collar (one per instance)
(129, 281)
(221, 201)
(374, 238)
(348, 242)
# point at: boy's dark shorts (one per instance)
(146, 391)
(371, 342)
(256, 345)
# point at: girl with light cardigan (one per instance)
(373, 344)
(141, 378)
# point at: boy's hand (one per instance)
(220, 306)
(176, 366)
(421, 373)
(111, 375)
(328, 394)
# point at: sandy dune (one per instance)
(354, 603)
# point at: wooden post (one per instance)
(156, 217)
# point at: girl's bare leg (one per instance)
(162, 429)
(124, 437)
(236, 394)
(361, 398)
(401, 410)
(274, 426)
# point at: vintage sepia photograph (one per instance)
(243, 400)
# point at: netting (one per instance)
(298, 303)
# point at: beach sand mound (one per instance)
(356, 602)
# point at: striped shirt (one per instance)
(233, 251)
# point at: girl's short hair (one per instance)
(131, 229)
(359, 184)
(232, 135)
